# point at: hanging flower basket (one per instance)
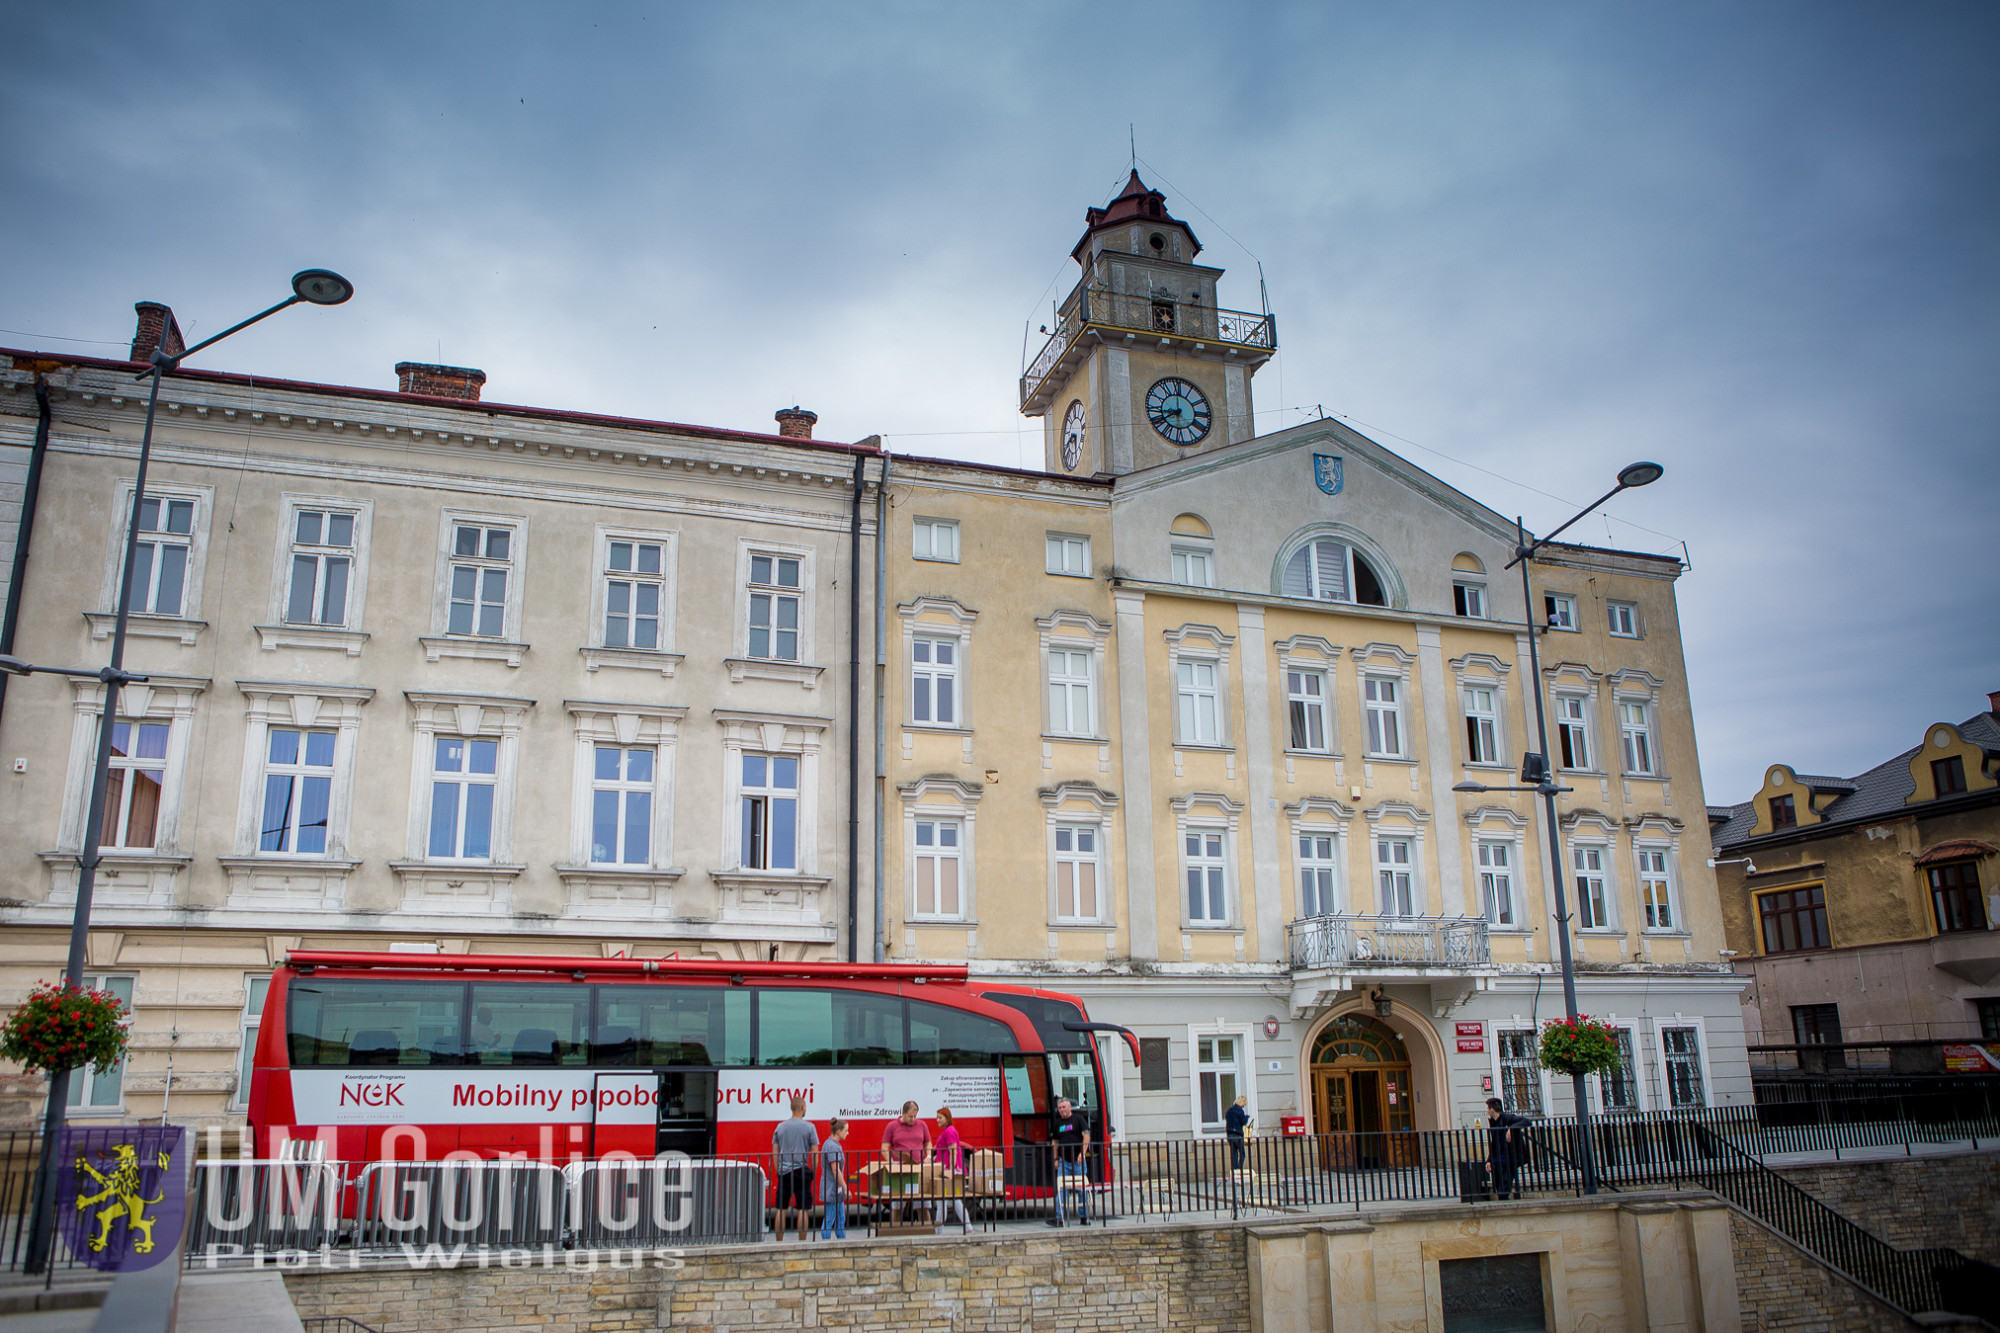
(1581, 1045)
(65, 1027)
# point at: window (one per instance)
(1573, 731)
(1560, 609)
(1469, 600)
(1955, 897)
(1948, 775)
(1988, 1010)
(1482, 726)
(1219, 1074)
(1635, 732)
(464, 773)
(934, 681)
(1393, 877)
(1624, 618)
(774, 608)
(1794, 920)
(1620, 1087)
(1076, 872)
(1784, 813)
(298, 791)
(934, 539)
(481, 561)
(621, 806)
(160, 566)
(1331, 571)
(1069, 555)
(770, 811)
(633, 584)
(1656, 889)
(1682, 1050)
(1816, 1024)
(1195, 569)
(1318, 872)
(1520, 1072)
(255, 988)
(1496, 1293)
(1207, 892)
(137, 782)
(937, 863)
(322, 565)
(1496, 882)
(1305, 702)
(89, 1091)
(1197, 693)
(1382, 695)
(1592, 905)
(1069, 692)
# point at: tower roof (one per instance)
(1137, 202)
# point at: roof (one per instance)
(1137, 202)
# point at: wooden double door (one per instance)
(1363, 1113)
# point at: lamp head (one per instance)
(13, 666)
(1640, 474)
(1470, 786)
(321, 286)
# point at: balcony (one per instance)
(1333, 954)
(1094, 315)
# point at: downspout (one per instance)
(854, 710)
(29, 494)
(881, 692)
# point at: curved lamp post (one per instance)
(1536, 771)
(314, 286)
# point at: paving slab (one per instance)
(234, 1303)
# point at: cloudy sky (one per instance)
(1522, 244)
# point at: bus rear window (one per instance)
(334, 1022)
(1048, 1016)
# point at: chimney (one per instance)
(1993, 702)
(155, 320)
(439, 381)
(795, 423)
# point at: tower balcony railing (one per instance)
(1388, 942)
(1140, 315)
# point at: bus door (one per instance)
(687, 1112)
(1025, 1081)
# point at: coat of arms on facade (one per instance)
(121, 1200)
(1327, 472)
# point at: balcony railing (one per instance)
(1139, 313)
(1388, 941)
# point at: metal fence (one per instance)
(1398, 941)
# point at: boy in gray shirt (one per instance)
(793, 1144)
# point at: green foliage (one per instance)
(66, 1027)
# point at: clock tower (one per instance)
(1143, 366)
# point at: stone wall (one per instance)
(1916, 1202)
(1784, 1290)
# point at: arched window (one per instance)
(1330, 571)
(1357, 1037)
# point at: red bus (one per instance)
(413, 1056)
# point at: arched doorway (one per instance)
(1364, 1102)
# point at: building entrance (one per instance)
(1363, 1103)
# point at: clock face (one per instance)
(1178, 410)
(1072, 437)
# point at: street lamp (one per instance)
(314, 286)
(1537, 774)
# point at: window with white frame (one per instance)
(1193, 567)
(934, 539)
(1624, 618)
(1482, 725)
(1573, 730)
(934, 680)
(1077, 872)
(1520, 1071)
(1619, 1087)
(162, 557)
(254, 991)
(1069, 554)
(775, 593)
(482, 562)
(1394, 881)
(1496, 881)
(770, 797)
(464, 774)
(1070, 671)
(938, 848)
(1680, 1052)
(1218, 1070)
(1319, 873)
(1559, 610)
(621, 805)
(1206, 872)
(1635, 733)
(322, 566)
(634, 593)
(1198, 705)
(1593, 895)
(136, 785)
(1383, 698)
(298, 791)
(92, 1093)
(1656, 890)
(1469, 600)
(1305, 705)
(1326, 570)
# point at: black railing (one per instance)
(335, 1323)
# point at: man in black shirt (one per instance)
(1507, 1136)
(1071, 1136)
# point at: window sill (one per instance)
(935, 559)
(941, 922)
(1088, 927)
(770, 897)
(1066, 574)
(1209, 928)
(1204, 747)
(1666, 933)
(941, 728)
(140, 626)
(269, 880)
(632, 659)
(473, 649)
(1312, 754)
(1583, 772)
(621, 892)
(1490, 765)
(144, 878)
(1388, 759)
(1522, 931)
(273, 637)
(1076, 740)
(1644, 777)
(459, 888)
(763, 668)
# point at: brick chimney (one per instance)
(1993, 702)
(154, 320)
(795, 423)
(439, 381)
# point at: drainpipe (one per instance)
(881, 693)
(29, 495)
(854, 710)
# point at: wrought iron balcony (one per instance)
(1396, 942)
(1096, 313)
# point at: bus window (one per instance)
(805, 1026)
(941, 1035)
(1074, 1075)
(528, 1023)
(1048, 1016)
(334, 1022)
(671, 1025)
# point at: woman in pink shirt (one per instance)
(951, 1156)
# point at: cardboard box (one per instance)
(989, 1171)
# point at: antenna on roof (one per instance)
(1263, 293)
(1133, 134)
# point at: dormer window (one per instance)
(1784, 813)
(1331, 571)
(1948, 775)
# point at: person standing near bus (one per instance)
(833, 1181)
(793, 1145)
(1071, 1136)
(906, 1143)
(951, 1157)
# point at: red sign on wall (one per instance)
(1473, 1029)
(1472, 1045)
